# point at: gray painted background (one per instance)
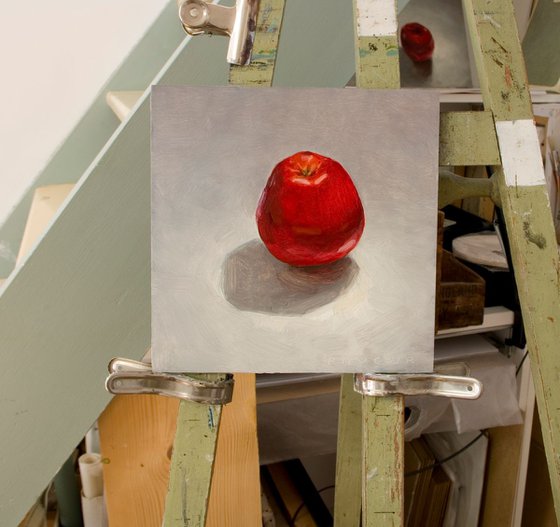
(220, 302)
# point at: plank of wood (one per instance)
(290, 496)
(46, 202)
(376, 44)
(298, 390)
(383, 461)
(348, 496)
(192, 462)
(525, 205)
(467, 138)
(481, 206)
(502, 473)
(122, 102)
(236, 467)
(136, 438)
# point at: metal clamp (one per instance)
(238, 22)
(133, 377)
(438, 383)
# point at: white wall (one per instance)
(54, 58)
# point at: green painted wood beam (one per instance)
(467, 139)
(197, 431)
(265, 48)
(192, 461)
(383, 462)
(526, 207)
(381, 434)
(378, 59)
(83, 294)
(498, 58)
(348, 495)
(452, 187)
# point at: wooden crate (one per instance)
(459, 295)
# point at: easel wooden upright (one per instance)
(370, 452)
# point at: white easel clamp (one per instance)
(238, 22)
(130, 377)
(439, 383)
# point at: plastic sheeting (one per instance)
(308, 426)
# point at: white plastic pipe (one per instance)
(91, 472)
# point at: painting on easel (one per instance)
(293, 230)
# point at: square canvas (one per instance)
(221, 302)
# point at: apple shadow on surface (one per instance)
(254, 280)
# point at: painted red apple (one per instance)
(310, 212)
(417, 41)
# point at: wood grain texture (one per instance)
(502, 474)
(348, 496)
(136, 438)
(467, 138)
(527, 213)
(235, 493)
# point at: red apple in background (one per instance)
(417, 41)
(310, 212)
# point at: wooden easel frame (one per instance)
(371, 429)
(97, 250)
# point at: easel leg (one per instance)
(382, 451)
(191, 464)
(348, 495)
(195, 443)
(525, 204)
(383, 461)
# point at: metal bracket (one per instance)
(129, 377)
(439, 383)
(238, 22)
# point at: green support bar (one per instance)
(526, 207)
(192, 460)
(383, 461)
(263, 58)
(198, 425)
(382, 420)
(467, 139)
(348, 497)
